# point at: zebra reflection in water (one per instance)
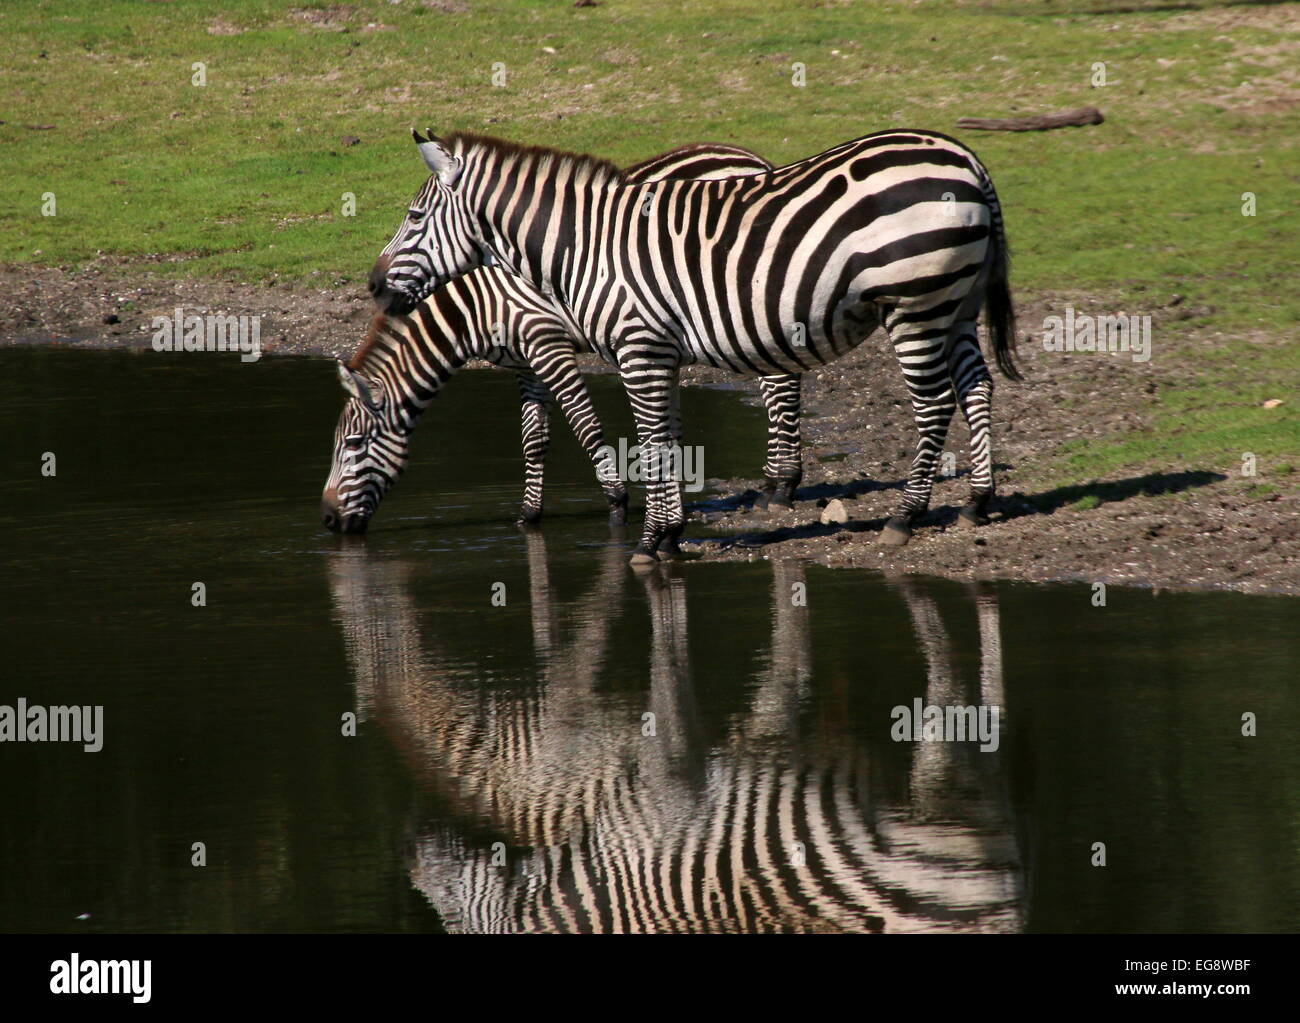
(557, 812)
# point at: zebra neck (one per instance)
(535, 234)
(471, 317)
(414, 356)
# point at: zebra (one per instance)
(554, 811)
(777, 272)
(404, 361)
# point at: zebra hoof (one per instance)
(896, 533)
(776, 494)
(642, 558)
(782, 496)
(529, 515)
(971, 516)
(618, 513)
(669, 548)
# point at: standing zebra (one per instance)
(493, 315)
(771, 273)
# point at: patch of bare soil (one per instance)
(1174, 526)
(107, 305)
(332, 19)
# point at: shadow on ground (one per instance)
(1013, 506)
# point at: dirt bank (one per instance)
(110, 305)
(1174, 525)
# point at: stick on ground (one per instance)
(1065, 119)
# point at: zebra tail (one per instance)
(999, 311)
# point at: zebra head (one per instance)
(371, 448)
(436, 241)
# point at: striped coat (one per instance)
(495, 316)
(556, 812)
(769, 273)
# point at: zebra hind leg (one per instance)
(669, 546)
(783, 470)
(925, 370)
(974, 386)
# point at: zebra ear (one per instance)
(438, 158)
(357, 386)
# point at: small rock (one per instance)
(1273, 403)
(350, 140)
(834, 512)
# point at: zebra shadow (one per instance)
(1108, 491)
(575, 800)
(1004, 509)
(747, 499)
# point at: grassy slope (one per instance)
(244, 177)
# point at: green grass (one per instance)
(1211, 422)
(244, 178)
(245, 175)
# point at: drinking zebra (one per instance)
(492, 315)
(777, 272)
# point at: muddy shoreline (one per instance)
(1172, 526)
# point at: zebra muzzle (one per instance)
(387, 298)
(336, 522)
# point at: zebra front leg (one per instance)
(669, 545)
(534, 411)
(556, 365)
(649, 375)
(974, 386)
(932, 413)
(783, 470)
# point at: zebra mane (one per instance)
(599, 169)
(370, 347)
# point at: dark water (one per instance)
(501, 776)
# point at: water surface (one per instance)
(505, 774)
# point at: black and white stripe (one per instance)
(555, 812)
(771, 273)
(497, 317)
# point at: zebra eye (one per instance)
(415, 215)
(355, 440)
